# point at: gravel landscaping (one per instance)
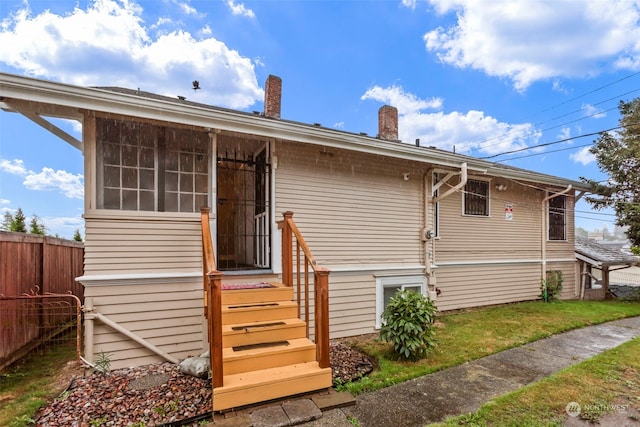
(156, 394)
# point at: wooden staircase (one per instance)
(259, 337)
(265, 350)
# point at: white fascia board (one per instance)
(26, 88)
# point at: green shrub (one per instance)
(551, 286)
(408, 324)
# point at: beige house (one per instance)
(378, 213)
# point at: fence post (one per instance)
(287, 250)
(322, 316)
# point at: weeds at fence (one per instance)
(32, 321)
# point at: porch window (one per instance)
(386, 287)
(144, 167)
(557, 218)
(476, 198)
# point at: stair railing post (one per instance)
(321, 279)
(287, 250)
(214, 315)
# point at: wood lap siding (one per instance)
(513, 249)
(351, 208)
(490, 238)
(125, 246)
(472, 286)
(167, 315)
(353, 301)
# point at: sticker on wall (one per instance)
(508, 212)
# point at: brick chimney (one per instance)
(272, 97)
(388, 123)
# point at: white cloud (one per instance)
(593, 112)
(583, 156)
(14, 167)
(411, 4)
(63, 226)
(565, 133)
(186, 7)
(527, 42)
(240, 9)
(69, 184)
(403, 101)
(5, 201)
(113, 34)
(468, 131)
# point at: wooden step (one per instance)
(257, 332)
(258, 312)
(251, 296)
(267, 355)
(267, 384)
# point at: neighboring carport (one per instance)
(591, 256)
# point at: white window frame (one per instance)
(396, 281)
(488, 215)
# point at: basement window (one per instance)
(386, 287)
(476, 198)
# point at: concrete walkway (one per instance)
(465, 388)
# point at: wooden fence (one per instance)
(35, 265)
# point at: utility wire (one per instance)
(573, 147)
(569, 101)
(546, 144)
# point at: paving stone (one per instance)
(271, 416)
(240, 420)
(301, 411)
(334, 400)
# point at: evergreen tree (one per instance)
(6, 222)
(618, 155)
(18, 223)
(36, 226)
(77, 236)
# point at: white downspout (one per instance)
(429, 202)
(88, 329)
(544, 230)
(428, 251)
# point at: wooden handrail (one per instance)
(320, 284)
(208, 255)
(212, 299)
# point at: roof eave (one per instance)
(83, 98)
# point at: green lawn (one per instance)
(476, 333)
(27, 385)
(603, 385)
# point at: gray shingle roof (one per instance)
(602, 255)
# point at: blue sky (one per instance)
(485, 77)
